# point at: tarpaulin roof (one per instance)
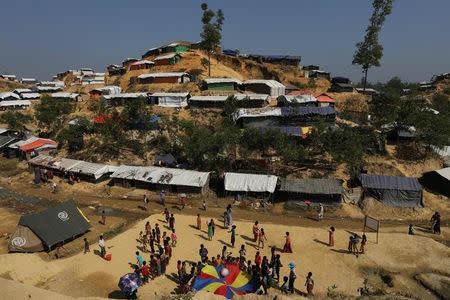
(30, 95)
(20, 91)
(65, 95)
(143, 62)
(165, 176)
(287, 130)
(24, 240)
(297, 99)
(444, 173)
(221, 80)
(125, 96)
(166, 56)
(57, 224)
(162, 94)
(209, 98)
(389, 182)
(282, 111)
(37, 144)
(240, 182)
(92, 169)
(9, 95)
(73, 165)
(15, 103)
(271, 83)
(252, 97)
(324, 98)
(325, 186)
(166, 74)
(5, 140)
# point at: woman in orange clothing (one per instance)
(331, 236)
(287, 245)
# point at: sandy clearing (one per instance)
(88, 275)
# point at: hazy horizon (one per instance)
(40, 39)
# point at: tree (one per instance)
(211, 34)
(230, 107)
(136, 115)
(52, 113)
(346, 145)
(15, 120)
(369, 52)
(384, 109)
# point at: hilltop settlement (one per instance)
(290, 150)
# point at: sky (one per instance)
(41, 38)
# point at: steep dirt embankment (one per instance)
(8, 86)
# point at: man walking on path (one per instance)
(103, 217)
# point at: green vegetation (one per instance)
(51, 113)
(370, 51)
(15, 120)
(211, 34)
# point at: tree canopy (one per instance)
(211, 34)
(369, 52)
(52, 113)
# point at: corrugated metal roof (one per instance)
(325, 186)
(182, 94)
(221, 80)
(240, 182)
(163, 74)
(164, 176)
(7, 103)
(389, 182)
(4, 140)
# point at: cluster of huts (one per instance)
(395, 191)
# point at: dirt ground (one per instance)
(79, 275)
(397, 254)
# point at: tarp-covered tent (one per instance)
(438, 180)
(240, 182)
(88, 170)
(55, 225)
(178, 180)
(327, 191)
(263, 86)
(392, 190)
(170, 99)
(24, 240)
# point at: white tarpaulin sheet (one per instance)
(239, 182)
(166, 176)
(72, 165)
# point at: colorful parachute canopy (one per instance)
(235, 281)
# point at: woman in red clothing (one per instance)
(258, 260)
(287, 245)
(331, 236)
